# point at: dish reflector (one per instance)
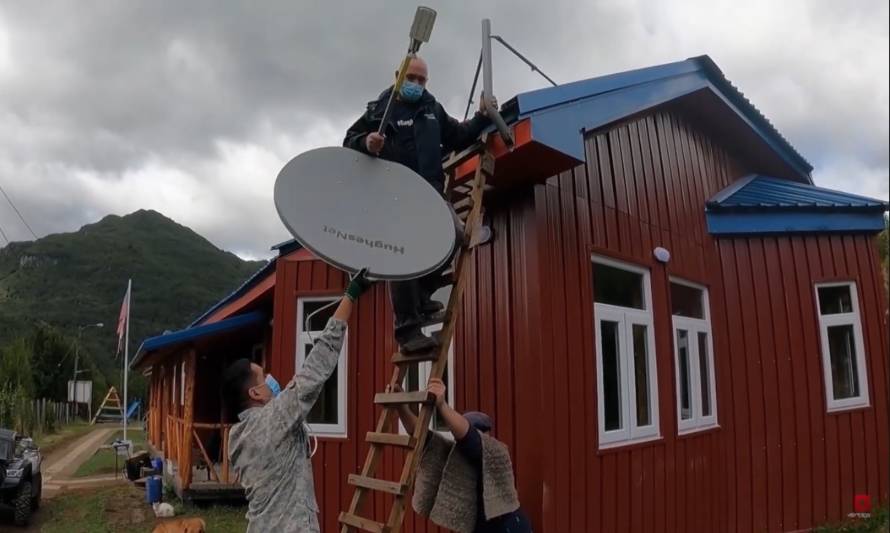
(355, 211)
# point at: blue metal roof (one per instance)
(190, 334)
(764, 204)
(561, 114)
(765, 191)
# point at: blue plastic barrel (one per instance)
(158, 464)
(153, 489)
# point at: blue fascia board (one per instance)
(189, 334)
(797, 221)
(244, 287)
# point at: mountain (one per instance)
(71, 279)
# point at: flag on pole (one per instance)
(122, 321)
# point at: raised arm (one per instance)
(406, 416)
(301, 393)
(455, 421)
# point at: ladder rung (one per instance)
(401, 398)
(462, 156)
(464, 204)
(399, 358)
(362, 523)
(405, 441)
(379, 485)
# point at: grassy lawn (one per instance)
(66, 434)
(102, 462)
(122, 508)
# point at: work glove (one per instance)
(358, 283)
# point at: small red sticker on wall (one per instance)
(862, 503)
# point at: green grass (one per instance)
(122, 508)
(52, 441)
(879, 522)
(102, 462)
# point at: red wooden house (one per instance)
(734, 380)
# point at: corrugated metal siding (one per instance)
(778, 462)
(525, 353)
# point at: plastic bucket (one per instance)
(158, 464)
(153, 489)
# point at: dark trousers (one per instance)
(409, 296)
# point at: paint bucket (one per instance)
(153, 489)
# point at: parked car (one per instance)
(20, 477)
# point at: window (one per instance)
(627, 387)
(418, 375)
(843, 355)
(694, 357)
(328, 415)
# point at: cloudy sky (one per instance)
(191, 108)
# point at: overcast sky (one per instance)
(192, 108)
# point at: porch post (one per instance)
(185, 468)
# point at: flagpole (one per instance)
(127, 353)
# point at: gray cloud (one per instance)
(192, 108)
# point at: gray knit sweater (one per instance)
(445, 487)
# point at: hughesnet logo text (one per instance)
(358, 239)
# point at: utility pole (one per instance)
(77, 353)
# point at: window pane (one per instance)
(704, 374)
(834, 300)
(611, 374)
(844, 373)
(615, 286)
(318, 321)
(325, 409)
(641, 374)
(687, 301)
(683, 357)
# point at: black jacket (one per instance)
(435, 133)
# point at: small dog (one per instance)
(181, 525)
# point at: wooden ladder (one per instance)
(466, 199)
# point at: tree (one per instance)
(15, 367)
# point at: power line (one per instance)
(16, 209)
(5, 238)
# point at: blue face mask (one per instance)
(410, 91)
(273, 385)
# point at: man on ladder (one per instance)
(417, 133)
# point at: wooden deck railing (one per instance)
(182, 443)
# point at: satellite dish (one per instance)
(355, 211)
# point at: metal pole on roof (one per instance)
(487, 92)
(486, 60)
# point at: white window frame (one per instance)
(423, 376)
(843, 319)
(302, 337)
(694, 326)
(627, 317)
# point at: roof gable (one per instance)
(560, 115)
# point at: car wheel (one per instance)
(22, 504)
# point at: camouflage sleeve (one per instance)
(298, 397)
